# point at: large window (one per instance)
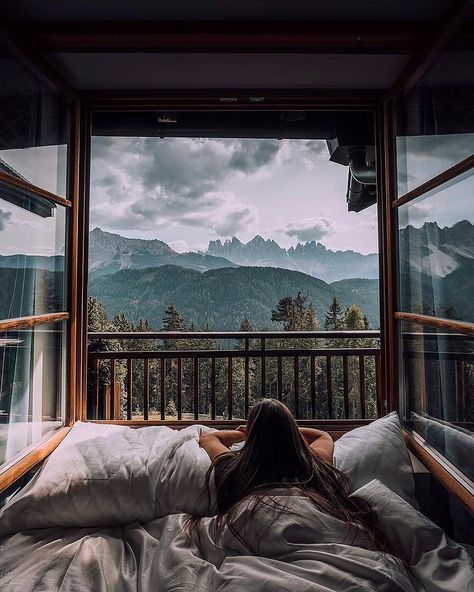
(435, 131)
(256, 223)
(33, 246)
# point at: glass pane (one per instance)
(439, 390)
(436, 251)
(32, 242)
(33, 129)
(32, 379)
(435, 121)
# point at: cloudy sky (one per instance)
(189, 191)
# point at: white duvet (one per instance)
(105, 513)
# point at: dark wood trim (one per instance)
(447, 324)
(447, 175)
(444, 30)
(83, 262)
(387, 248)
(19, 42)
(440, 472)
(395, 37)
(73, 264)
(335, 427)
(33, 189)
(234, 335)
(13, 471)
(245, 99)
(214, 354)
(24, 322)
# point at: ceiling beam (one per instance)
(229, 36)
(230, 100)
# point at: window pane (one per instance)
(436, 251)
(32, 379)
(439, 390)
(435, 121)
(33, 129)
(32, 239)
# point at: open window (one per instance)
(433, 210)
(34, 259)
(238, 251)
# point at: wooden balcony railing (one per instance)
(185, 375)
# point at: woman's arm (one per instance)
(319, 442)
(216, 443)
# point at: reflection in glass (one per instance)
(435, 121)
(436, 251)
(33, 129)
(439, 390)
(32, 242)
(31, 383)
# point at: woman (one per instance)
(277, 454)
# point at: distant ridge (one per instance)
(311, 258)
(109, 253)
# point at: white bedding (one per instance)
(302, 551)
(104, 513)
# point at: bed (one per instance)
(107, 510)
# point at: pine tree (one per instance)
(284, 312)
(299, 303)
(173, 320)
(354, 319)
(97, 317)
(334, 320)
(121, 323)
(171, 410)
(311, 322)
(245, 325)
(98, 320)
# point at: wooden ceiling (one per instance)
(144, 44)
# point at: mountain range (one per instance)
(142, 277)
(437, 270)
(311, 258)
(109, 253)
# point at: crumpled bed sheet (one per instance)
(106, 512)
(300, 550)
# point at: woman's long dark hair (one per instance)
(275, 455)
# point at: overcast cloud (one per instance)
(310, 229)
(4, 218)
(189, 191)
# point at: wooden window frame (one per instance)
(441, 469)
(435, 182)
(39, 68)
(309, 100)
(438, 465)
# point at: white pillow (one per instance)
(109, 474)
(438, 563)
(377, 451)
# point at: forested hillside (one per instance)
(223, 297)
